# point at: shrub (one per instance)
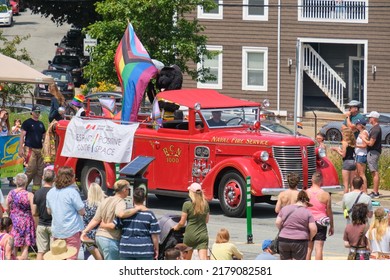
(384, 167)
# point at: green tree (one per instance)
(78, 12)
(10, 92)
(165, 27)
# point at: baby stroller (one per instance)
(168, 237)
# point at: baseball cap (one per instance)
(373, 114)
(361, 121)
(36, 109)
(194, 187)
(266, 244)
(353, 103)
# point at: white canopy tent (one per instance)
(14, 71)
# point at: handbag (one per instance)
(352, 253)
(347, 212)
(274, 247)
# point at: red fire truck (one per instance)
(194, 149)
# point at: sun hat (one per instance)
(60, 251)
(266, 244)
(194, 187)
(373, 114)
(78, 100)
(353, 103)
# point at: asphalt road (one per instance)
(44, 33)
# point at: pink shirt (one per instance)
(318, 209)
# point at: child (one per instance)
(16, 129)
(223, 249)
(320, 138)
(6, 240)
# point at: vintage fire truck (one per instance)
(193, 148)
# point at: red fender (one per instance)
(246, 167)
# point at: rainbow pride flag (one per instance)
(135, 69)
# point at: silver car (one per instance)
(332, 130)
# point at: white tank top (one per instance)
(360, 151)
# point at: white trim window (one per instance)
(216, 13)
(215, 66)
(255, 10)
(254, 68)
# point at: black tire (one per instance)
(333, 134)
(232, 194)
(387, 139)
(93, 171)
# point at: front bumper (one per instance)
(277, 191)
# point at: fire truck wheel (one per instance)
(93, 172)
(231, 194)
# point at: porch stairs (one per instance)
(324, 76)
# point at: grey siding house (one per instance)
(324, 52)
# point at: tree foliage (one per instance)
(80, 12)
(165, 28)
(10, 92)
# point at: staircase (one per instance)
(324, 76)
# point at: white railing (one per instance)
(324, 76)
(333, 10)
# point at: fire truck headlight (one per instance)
(264, 156)
(321, 152)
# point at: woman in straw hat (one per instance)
(60, 251)
(196, 214)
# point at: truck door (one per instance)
(171, 169)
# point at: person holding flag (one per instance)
(135, 68)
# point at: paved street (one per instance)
(44, 33)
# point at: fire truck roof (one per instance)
(207, 98)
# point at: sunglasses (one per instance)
(37, 112)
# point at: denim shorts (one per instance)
(361, 159)
(349, 165)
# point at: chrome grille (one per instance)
(290, 159)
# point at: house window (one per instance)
(254, 68)
(216, 13)
(214, 65)
(255, 10)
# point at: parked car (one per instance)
(6, 16)
(21, 108)
(68, 63)
(275, 127)
(63, 80)
(332, 130)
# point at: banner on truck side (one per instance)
(101, 140)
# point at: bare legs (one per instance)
(347, 179)
(361, 171)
